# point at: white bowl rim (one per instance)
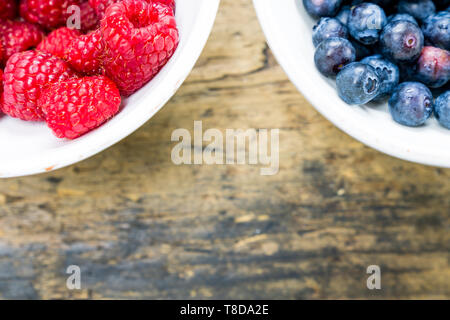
(392, 148)
(90, 145)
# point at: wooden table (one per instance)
(141, 227)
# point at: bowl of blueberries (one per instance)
(379, 70)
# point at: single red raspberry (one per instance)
(101, 5)
(26, 74)
(58, 41)
(49, 14)
(77, 106)
(139, 40)
(8, 9)
(17, 36)
(84, 54)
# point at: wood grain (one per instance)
(141, 227)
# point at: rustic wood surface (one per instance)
(141, 227)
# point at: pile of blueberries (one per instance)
(387, 49)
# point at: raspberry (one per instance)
(77, 106)
(58, 41)
(101, 5)
(139, 40)
(17, 36)
(8, 9)
(26, 74)
(84, 54)
(49, 14)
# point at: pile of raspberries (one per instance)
(73, 78)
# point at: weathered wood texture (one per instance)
(141, 227)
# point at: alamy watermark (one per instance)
(74, 19)
(73, 282)
(229, 148)
(374, 281)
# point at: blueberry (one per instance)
(411, 104)
(322, 8)
(419, 9)
(387, 72)
(343, 15)
(328, 28)
(358, 83)
(332, 55)
(436, 30)
(401, 41)
(433, 67)
(442, 109)
(402, 16)
(365, 22)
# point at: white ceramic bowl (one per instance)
(28, 148)
(288, 29)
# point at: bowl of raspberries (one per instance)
(379, 70)
(77, 76)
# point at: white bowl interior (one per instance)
(29, 148)
(288, 29)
